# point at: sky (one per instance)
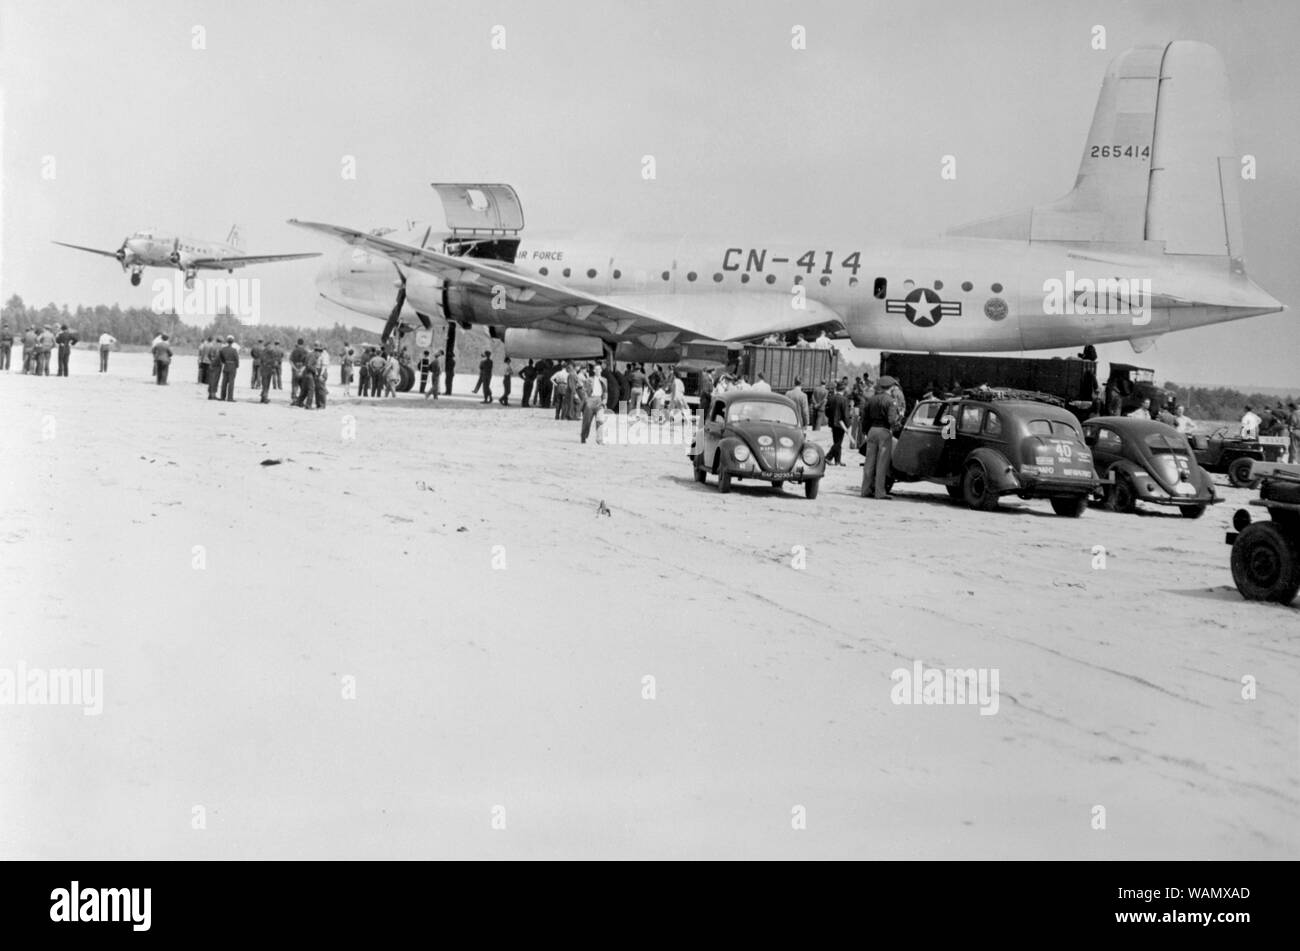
(113, 121)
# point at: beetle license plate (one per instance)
(783, 475)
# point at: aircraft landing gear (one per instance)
(189, 279)
(135, 278)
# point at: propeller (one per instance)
(396, 314)
(175, 256)
(120, 254)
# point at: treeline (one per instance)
(137, 326)
(1224, 403)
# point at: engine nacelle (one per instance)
(551, 344)
(637, 353)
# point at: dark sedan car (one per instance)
(751, 434)
(1140, 460)
(995, 443)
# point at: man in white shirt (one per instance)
(1184, 423)
(1143, 411)
(823, 342)
(106, 343)
(1250, 425)
(761, 385)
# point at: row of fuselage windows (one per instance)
(880, 288)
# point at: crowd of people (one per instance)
(38, 343)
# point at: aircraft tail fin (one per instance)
(233, 239)
(1159, 167)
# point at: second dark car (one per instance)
(1141, 460)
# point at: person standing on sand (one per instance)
(297, 362)
(6, 346)
(229, 365)
(322, 373)
(505, 383)
(271, 357)
(528, 374)
(594, 392)
(435, 373)
(879, 420)
(255, 358)
(162, 358)
(66, 341)
(392, 375)
(837, 417)
(485, 376)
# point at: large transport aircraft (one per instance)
(1149, 241)
(151, 248)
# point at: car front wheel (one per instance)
(1266, 564)
(701, 474)
(724, 481)
(977, 489)
(810, 488)
(1192, 511)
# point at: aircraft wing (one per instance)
(654, 321)
(107, 254)
(243, 260)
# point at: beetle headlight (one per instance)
(810, 455)
(740, 453)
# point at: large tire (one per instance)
(701, 474)
(778, 485)
(1072, 507)
(1121, 497)
(954, 491)
(1192, 511)
(407, 380)
(724, 482)
(810, 488)
(1266, 564)
(1240, 473)
(976, 488)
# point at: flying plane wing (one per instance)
(639, 319)
(107, 254)
(243, 260)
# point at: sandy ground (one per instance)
(446, 564)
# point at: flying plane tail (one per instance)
(233, 239)
(1159, 166)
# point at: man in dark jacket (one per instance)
(270, 357)
(879, 420)
(229, 365)
(528, 374)
(255, 357)
(162, 359)
(66, 341)
(297, 360)
(837, 417)
(485, 376)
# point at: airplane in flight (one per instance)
(1149, 241)
(156, 249)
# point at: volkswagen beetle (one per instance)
(749, 434)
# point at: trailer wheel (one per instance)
(1266, 563)
(1240, 473)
